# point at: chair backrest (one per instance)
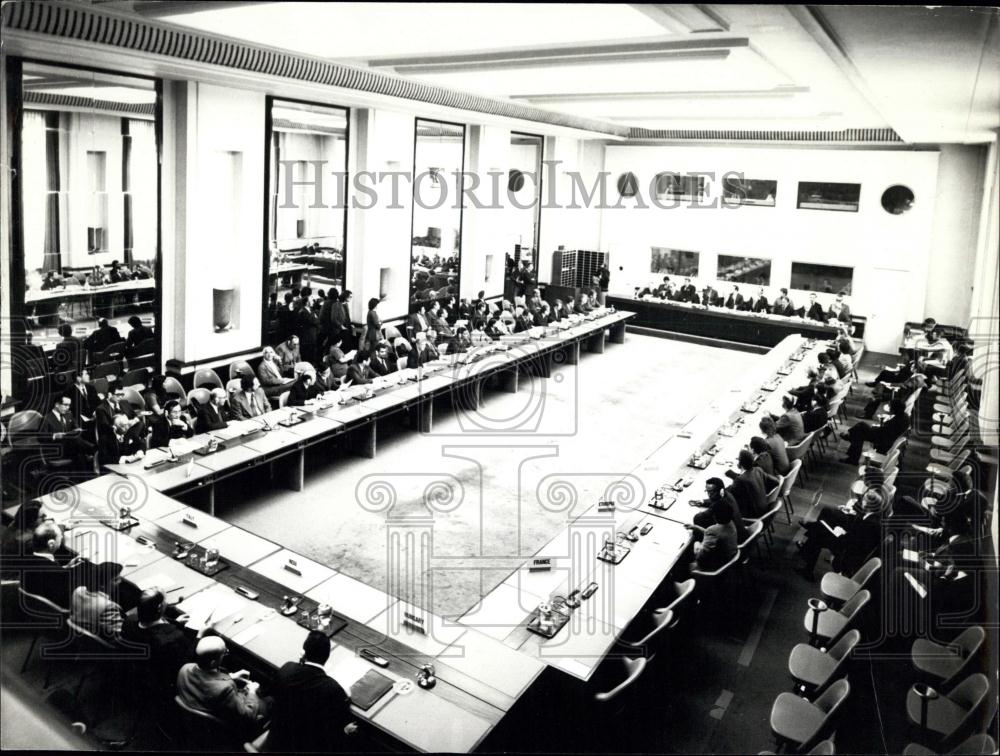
(753, 534)
(25, 421)
(197, 714)
(833, 697)
(401, 363)
(867, 571)
(975, 745)
(969, 643)
(199, 395)
(634, 668)
(684, 591)
(232, 385)
(144, 347)
(137, 377)
(40, 607)
(969, 694)
(207, 377)
(135, 399)
(92, 638)
(239, 367)
(854, 605)
(283, 399)
(172, 386)
(824, 748)
(843, 648)
(789, 481)
(774, 493)
(662, 618)
(797, 451)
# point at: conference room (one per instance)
(605, 378)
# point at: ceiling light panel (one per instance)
(367, 30)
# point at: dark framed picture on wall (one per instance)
(829, 279)
(673, 262)
(752, 270)
(823, 195)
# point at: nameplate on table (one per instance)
(771, 385)
(293, 567)
(189, 521)
(540, 565)
(605, 506)
(785, 370)
(415, 623)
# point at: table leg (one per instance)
(293, 470)
(211, 499)
(508, 380)
(572, 353)
(618, 333)
(425, 414)
(365, 440)
(596, 342)
(545, 364)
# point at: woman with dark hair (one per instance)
(374, 323)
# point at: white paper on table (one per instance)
(248, 635)
(157, 580)
(921, 591)
(910, 555)
(210, 606)
(837, 531)
(348, 670)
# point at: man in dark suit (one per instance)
(105, 335)
(815, 311)
(115, 403)
(83, 398)
(167, 645)
(211, 415)
(26, 351)
(359, 372)
(117, 447)
(311, 711)
(783, 305)
(63, 437)
(710, 297)
(882, 436)
(735, 300)
(750, 486)
(688, 292)
(717, 494)
(760, 304)
(417, 322)
(68, 353)
(381, 364)
(137, 335)
(851, 537)
(47, 571)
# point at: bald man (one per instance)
(232, 697)
(212, 415)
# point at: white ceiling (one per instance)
(930, 73)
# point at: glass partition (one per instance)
(830, 279)
(822, 195)
(436, 247)
(737, 190)
(88, 243)
(752, 270)
(307, 207)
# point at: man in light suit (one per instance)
(211, 416)
(249, 401)
(91, 607)
(790, 426)
(418, 320)
(288, 353)
(301, 689)
(232, 697)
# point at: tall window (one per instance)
(307, 202)
(436, 246)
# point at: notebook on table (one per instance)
(369, 689)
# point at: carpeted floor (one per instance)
(495, 497)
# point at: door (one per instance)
(888, 291)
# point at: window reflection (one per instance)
(752, 270)
(307, 221)
(89, 194)
(436, 248)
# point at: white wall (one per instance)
(879, 246)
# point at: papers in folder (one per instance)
(208, 607)
(838, 532)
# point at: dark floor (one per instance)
(711, 691)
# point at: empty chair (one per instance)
(652, 641)
(947, 714)
(633, 670)
(774, 505)
(134, 398)
(204, 731)
(786, 487)
(22, 428)
(813, 669)
(206, 377)
(833, 623)
(109, 369)
(42, 614)
(948, 663)
(797, 722)
(974, 745)
(841, 588)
